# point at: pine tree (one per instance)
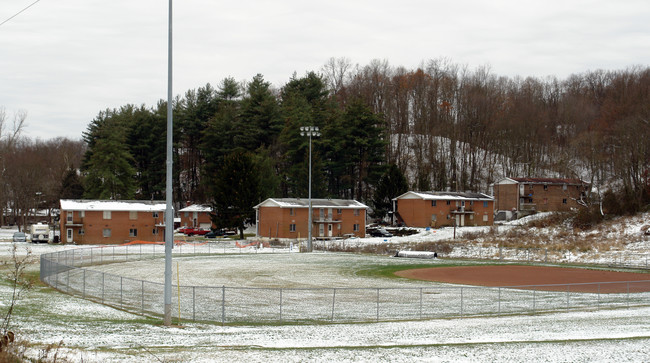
(391, 185)
(236, 192)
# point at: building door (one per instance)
(329, 229)
(321, 230)
(69, 235)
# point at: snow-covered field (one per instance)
(91, 332)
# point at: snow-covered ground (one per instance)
(91, 332)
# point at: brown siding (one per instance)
(275, 222)
(506, 196)
(420, 212)
(93, 224)
(187, 219)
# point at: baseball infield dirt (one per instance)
(543, 277)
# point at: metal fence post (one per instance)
(333, 302)
(461, 302)
(499, 302)
(142, 297)
(377, 304)
(223, 305)
(567, 296)
(420, 303)
(534, 295)
(103, 278)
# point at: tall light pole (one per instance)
(169, 211)
(309, 131)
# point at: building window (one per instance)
(485, 204)
(107, 214)
(292, 227)
(292, 212)
(339, 211)
(433, 203)
(564, 186)
(133, 232)
(70, 217)
(155, 214)
(154, 231)
(485, 218)
(106, 232)
(356, 227)
(564, 201)
(449, 202)
(545, 186)
(433, 218)
(357, 212)
(471, 217)
(82, 214)
(187, 214)
(133, 214)
(81, 232)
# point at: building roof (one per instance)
(197, 208)
(569, 181)
(316, 203)
(113, 205)
(445, 196)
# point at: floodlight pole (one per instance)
(309, 131)
(169, 211)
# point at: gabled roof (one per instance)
(316, 203)
(445, 196)
(113, 205)
(570, 181)
(197, 208)
(556, 181)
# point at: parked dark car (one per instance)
(215, 233)
(380, 232)
(20, 237)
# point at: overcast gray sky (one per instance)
(63, 61)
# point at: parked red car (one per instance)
(191, 231)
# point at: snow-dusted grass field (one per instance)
(91, 332)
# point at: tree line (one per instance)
(441, 126)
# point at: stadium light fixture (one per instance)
(310, 131)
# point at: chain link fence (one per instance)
(71, 271)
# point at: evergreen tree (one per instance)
(71, 186)
(260, 121)
(236, 192)
(109, 170)
(391, 185)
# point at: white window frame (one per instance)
(133, 232)
(106, 233)
(292, 227)
(106, 214)
(133, 214)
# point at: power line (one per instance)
(18, 13)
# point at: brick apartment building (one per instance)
(528, 195)
(196, 215)
(289, 218)
(111, 221)
(440, 209)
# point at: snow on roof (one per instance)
(445, 196)
(197, 208)
(316, 203)
(550, 181)
(113, 205)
